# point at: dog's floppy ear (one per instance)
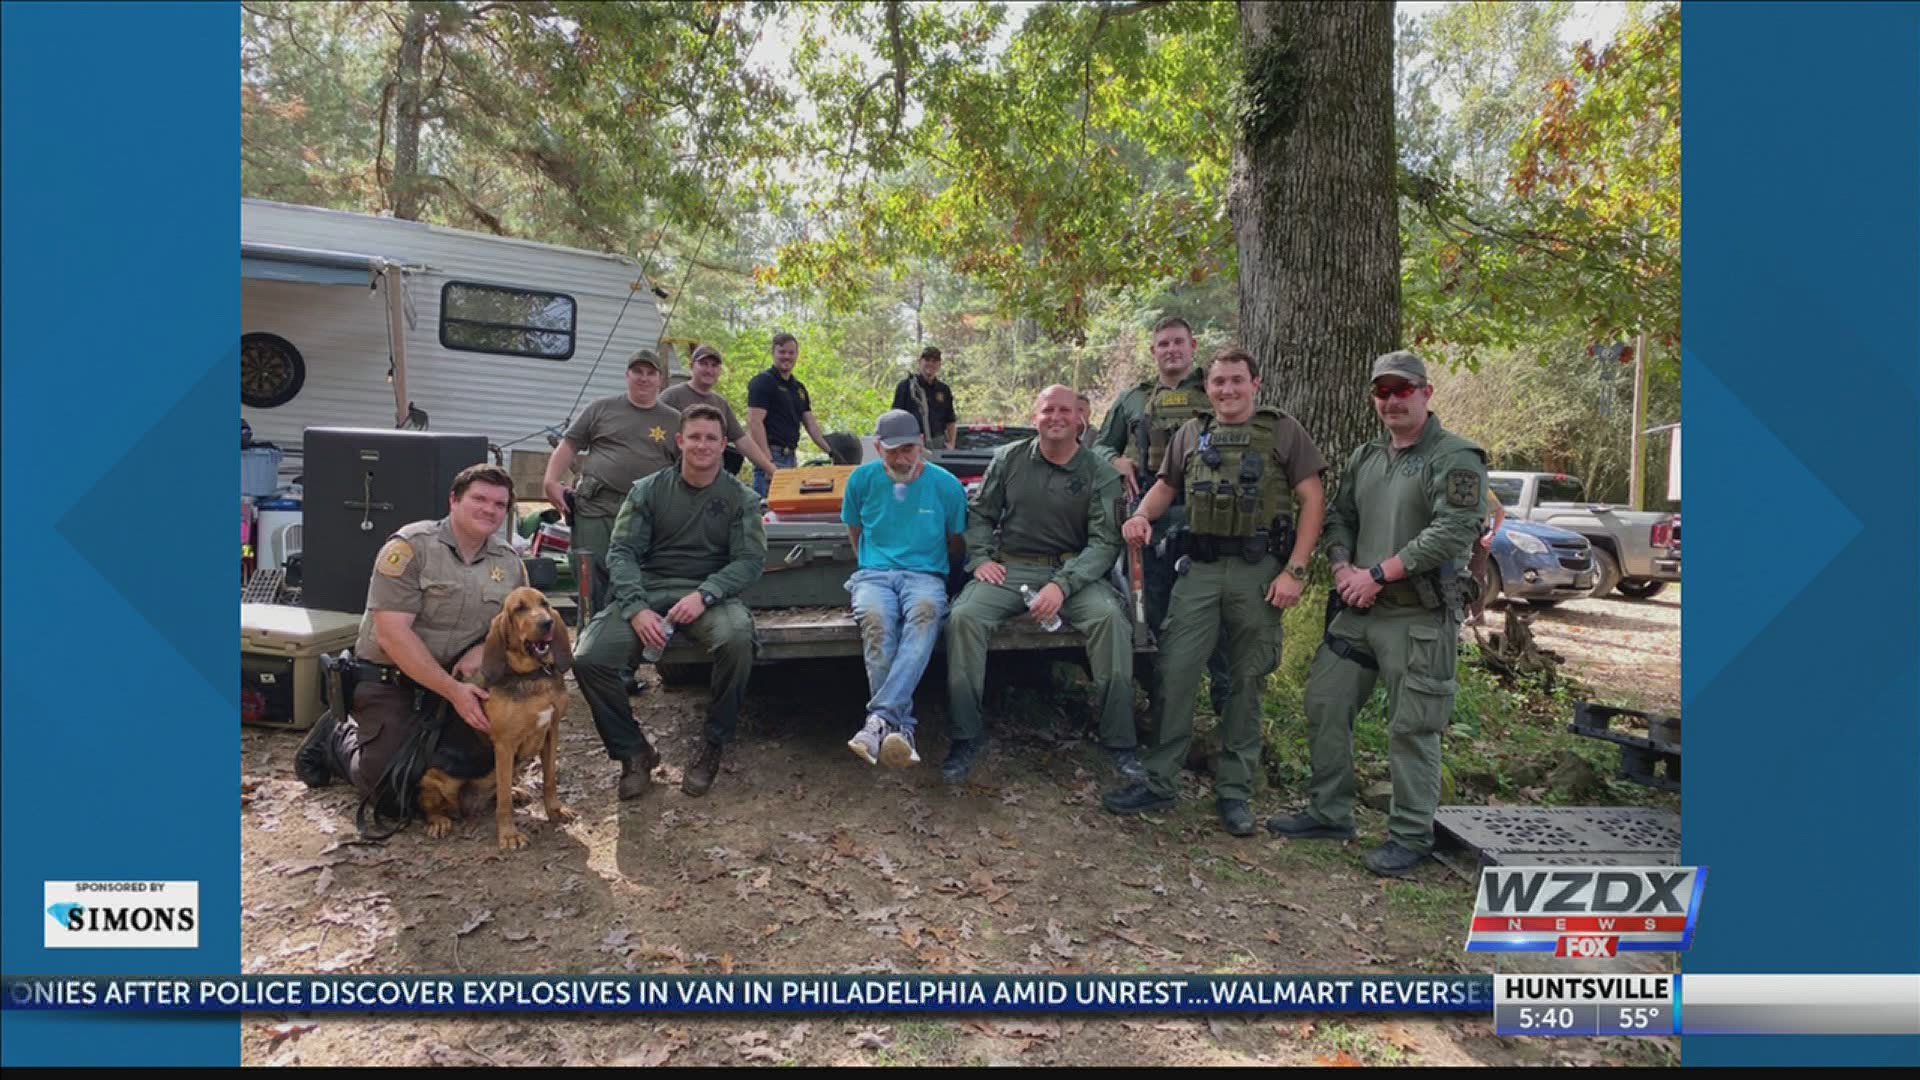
(493, 659)
(562, 646)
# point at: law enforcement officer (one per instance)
(778, 409)
(1053, 507)
(686, 543)
(625, 437)
(435, 587)
(929, 400)
(1134, 441)
(1398, 538)
(1246, 563)
(704, 369)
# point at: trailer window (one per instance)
(507, 321)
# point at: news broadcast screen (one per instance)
(959, 534)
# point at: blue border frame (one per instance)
(120, 198)
(1801, 248)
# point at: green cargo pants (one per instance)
(1157, 579)
(1095, 611)
(591, 536)
(1224, 601)
(1415, 648)
(610, 647)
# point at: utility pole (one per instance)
(1637, 467)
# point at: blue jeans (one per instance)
(783, 457)
(899, 613)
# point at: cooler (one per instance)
(280, 651)
(810, 489)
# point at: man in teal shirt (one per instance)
(905, 518)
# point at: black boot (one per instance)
(313, 762)
(636, 772)
(700, 774)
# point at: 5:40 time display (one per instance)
(1546, 1018)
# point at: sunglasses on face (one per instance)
(1383, 391)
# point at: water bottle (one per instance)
(1051, 625)
(652, 655)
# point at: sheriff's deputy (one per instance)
(1399, 538)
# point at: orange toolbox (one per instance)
(811, 489)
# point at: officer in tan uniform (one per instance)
(435, 587)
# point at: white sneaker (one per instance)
(897, 750)
(866, 745)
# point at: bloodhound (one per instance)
(527, 652)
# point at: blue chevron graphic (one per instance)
(101, 531)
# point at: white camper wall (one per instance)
(340, 330)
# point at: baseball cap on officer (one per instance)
(647, 357)
(705, 352)
(1403, 364)
(897, 428)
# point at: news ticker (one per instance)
(1534, 1004)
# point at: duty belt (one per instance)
(1399, 594)
(368, 671)
(1051, 561)
(789, 449)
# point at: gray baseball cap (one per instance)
(1402, 363)
(648, 357)
(897, 428)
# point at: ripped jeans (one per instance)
(899, 613)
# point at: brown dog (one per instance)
(527, 652)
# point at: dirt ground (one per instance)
(803, 859)
(1628, 650)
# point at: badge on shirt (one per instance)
(497, 574)
(393, 558)
(1173, 397)
(940, 396)
(1076, 485)
(658, 434)
(716, 509)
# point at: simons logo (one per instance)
(122, 915)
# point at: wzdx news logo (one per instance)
(1586, 911)
(123, 914)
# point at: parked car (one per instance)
(1539, 564)
(1636, 551)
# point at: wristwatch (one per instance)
(1299, 571)
(1378, 575)
(708, 598)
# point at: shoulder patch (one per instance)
(1463, 488)
(393, 558)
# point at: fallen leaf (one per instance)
(869, 1039)
(1342, 1059)
(796, 1035)
(1398, 1036)
(910, 937)
(726, 963)
(277, 1032)
(325, 882)
(1347, 921)
(1272, 937)
(756, 1037)
(1023, 1030)
(516, 935)
(479, 919)
(1059, 940)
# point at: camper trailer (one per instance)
(351, 320)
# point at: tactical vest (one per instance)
(1163, 413)
(1231, 487)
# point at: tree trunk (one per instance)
(406, 189)
(1312, 199)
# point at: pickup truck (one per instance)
(800, 605)
(1635, 551)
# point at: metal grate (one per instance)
(264, 587)
(1535, 835)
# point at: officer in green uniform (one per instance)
(1044, 519)
(1134, 441)
(686, 543)
(435, 587)
(1399, 539)
(1245, 564)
